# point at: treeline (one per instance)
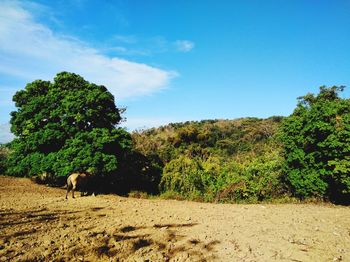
(216, 160)
(305, 155)
(71, 125)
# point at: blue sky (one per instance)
(170, 61)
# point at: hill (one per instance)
(222, 160)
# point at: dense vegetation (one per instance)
(71, 125)
(316, 139)
(304, 155)
(66, 126)
(216, 160)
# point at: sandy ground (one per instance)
(37, 223)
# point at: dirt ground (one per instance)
(38, 223)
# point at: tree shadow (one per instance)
(129, 229)
(96, 208)
(174, 225)
(18, 218)
(30, 219)
(162, 241)
(165, 239)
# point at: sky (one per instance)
(173, 61)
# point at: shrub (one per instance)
(316, 146)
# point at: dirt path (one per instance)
(37, 223)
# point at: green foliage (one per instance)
(70, 125)
(216, 160)
(225, 179)
(316, 139)
(66, 126)
(183, 175)
(256, 178)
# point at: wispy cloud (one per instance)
(126, 51)
(31, 50)
(130, 45)
(128, 39)
(184, 45)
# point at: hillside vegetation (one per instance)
(216, 159)
(304, 155)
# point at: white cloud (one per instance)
(5, 134)
(30, 50)
(184, 45)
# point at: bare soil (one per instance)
(37, 223)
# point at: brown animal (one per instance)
(77, 180)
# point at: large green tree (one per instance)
(316, 139)
(65, 126)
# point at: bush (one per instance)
(257, 178)
(183, 175)
(316, 146)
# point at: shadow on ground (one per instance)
(163, 244)
(44, 234)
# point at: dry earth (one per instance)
(37, 223)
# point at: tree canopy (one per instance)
(316, 139)
(65, 126)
